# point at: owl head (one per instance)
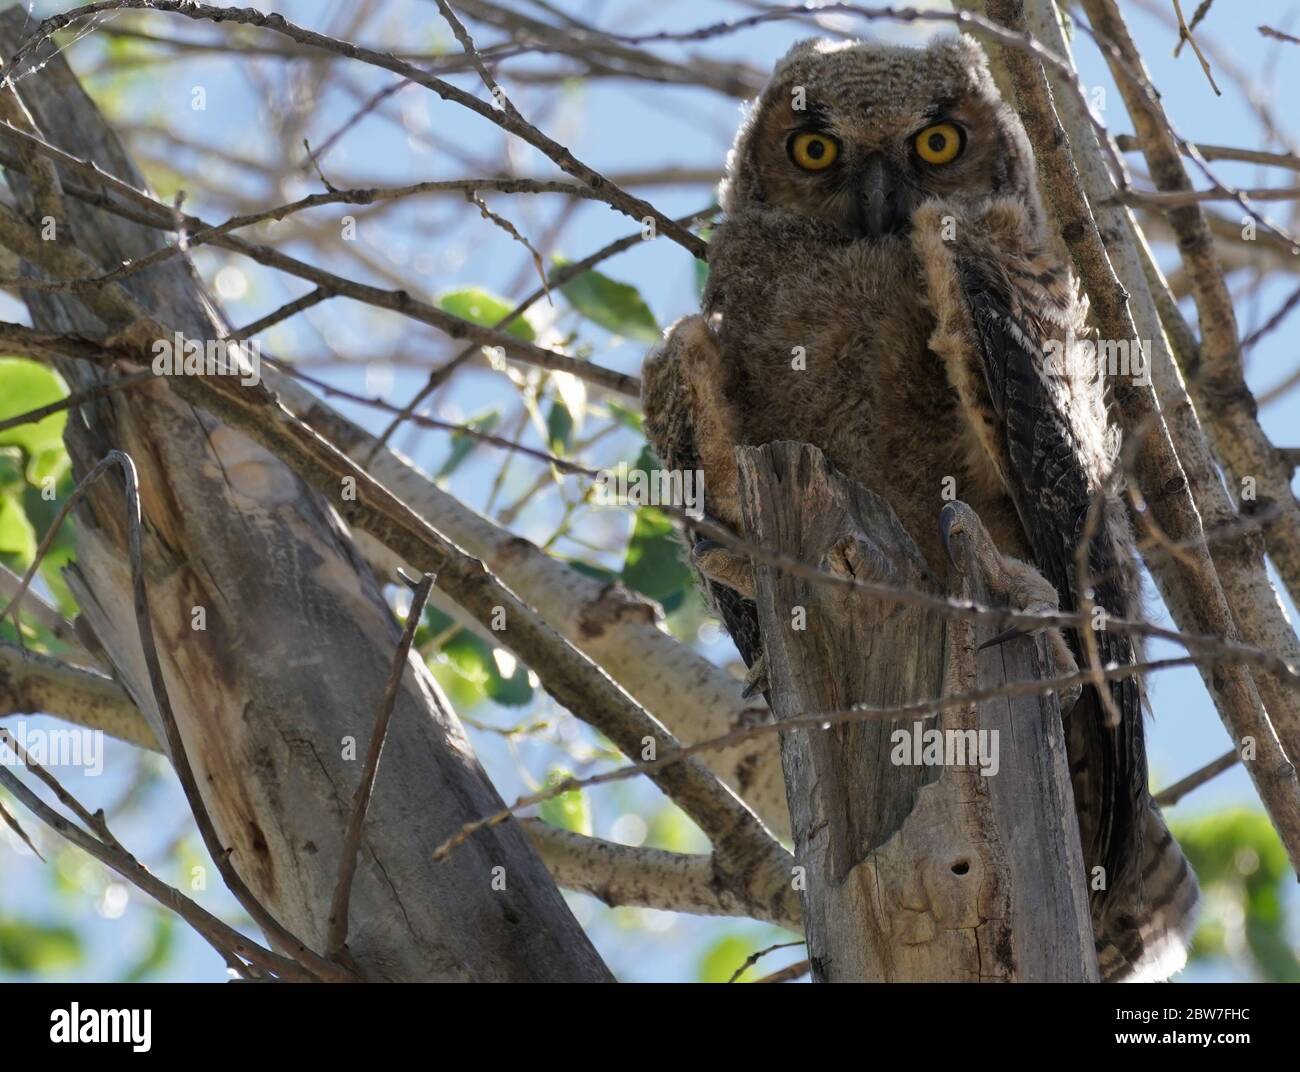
(859, 134)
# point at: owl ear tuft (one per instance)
(964, 58)
(963, 48)
(809, 46)
(806, 45)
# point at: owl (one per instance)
(881, 286)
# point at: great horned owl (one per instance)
(881, 287)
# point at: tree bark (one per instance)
(292, 661)
(912, 872)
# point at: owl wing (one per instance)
(1036, 423)
(672, 428)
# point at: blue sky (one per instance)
(616, 127)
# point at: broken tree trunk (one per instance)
(912, 872)
(295, 645)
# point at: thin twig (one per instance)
(472, 53)
(338, 918)
(95, 821)
(233, 947)
(160, 215)
(1130, 144)
(1293, 299)
(276, 316)
(99, 390)
(1170, 199)
(1278, 35)
(1185, 34)
(1167, 798)
(754, 958)
(634, 207)
(788, 974)
(821, 720)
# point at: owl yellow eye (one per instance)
(813, 152)
(939, 144)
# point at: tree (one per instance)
(248, 566)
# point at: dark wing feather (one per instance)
(1050, 488)
(740, 616)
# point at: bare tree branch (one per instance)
(32, 683)
(1167, 798)
(649, 878)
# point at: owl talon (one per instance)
(1014, 633)
(755, 679)
(947, 519)
(958, 518)
(725, 566)
(1039, 607)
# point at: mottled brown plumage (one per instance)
(888, 299)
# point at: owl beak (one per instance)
(880, 211)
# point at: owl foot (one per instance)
(725, 566)
(1016, 584)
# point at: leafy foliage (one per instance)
(469, 668)
(35, 473)
(482, 307)
(24, 386)
(30, 948)
(463, 443)
(570, 810)
(723, 957)
(30, 454)
(653, 564)
(616, 307)
(1244, 876)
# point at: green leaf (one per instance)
(509, 690)
(626, 416)
(25, 386)
(1240, 861)
(615, 306)
(653, 565)
(569, 810)
(17, 537)
(485, 308)
(469, 655)
(496, 676)
(571, 392)
(11, 468)
(41, 512)
(589, 569)
(721, 960)
(462, 444)
(462, 693)
(34, 947)
(670, 829)
(559, 428)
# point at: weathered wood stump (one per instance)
(912, 871)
